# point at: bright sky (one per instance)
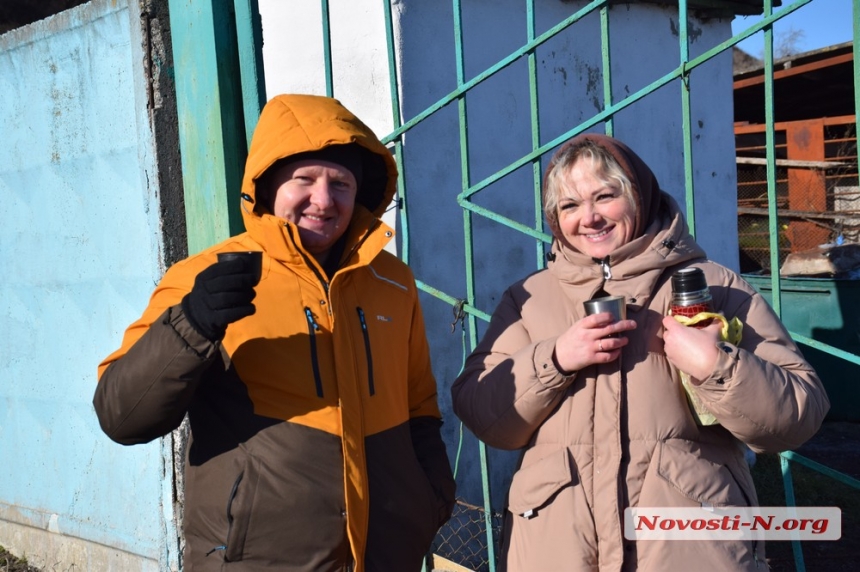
(823, 23)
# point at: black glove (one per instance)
(222, 294)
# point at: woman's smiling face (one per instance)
(594, 217)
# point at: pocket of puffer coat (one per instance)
(534, 485)
(688, 469)
(239, 509)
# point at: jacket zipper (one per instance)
(232, 497)
(366, 335)
(313, 327)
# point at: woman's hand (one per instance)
(693, 351)
(586, 342)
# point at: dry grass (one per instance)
(10, 563)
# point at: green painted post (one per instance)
(249, 38)
(788, 485)
(534, 106)
(470, 270)
(211, 126)
(683, 39)
(855, 12)
(326, 24)
(393, 86)
(607, 67)
(770, 154)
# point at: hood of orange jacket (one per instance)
(292, 124)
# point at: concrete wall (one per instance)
(644, 46)
(81, 251)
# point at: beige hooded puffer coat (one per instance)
(622, 434)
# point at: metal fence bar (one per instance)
(855, 12)
(771, 160)
(818, 467)
(788, 484)
(329, 82)
(445, 297)
(489, 72)
(606, 61)
(534, 108)
(847, 356)
(393, 86)
(495, 217)
(249, 36)
(685, 116)
(789, 456)
(470, 266)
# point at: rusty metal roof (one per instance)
(818, 83)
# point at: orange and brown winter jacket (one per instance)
(314, 424)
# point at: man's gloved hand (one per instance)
(222, 294)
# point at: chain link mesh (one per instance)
(817, 203)
(463, 539)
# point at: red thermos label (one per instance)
(690, 311)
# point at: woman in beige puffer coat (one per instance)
(604, 422)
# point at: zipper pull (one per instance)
(313, 328)
(311, 320)
(604, 264)
(366, 336)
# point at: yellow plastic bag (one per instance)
(731, 332)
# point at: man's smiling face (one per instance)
(318, 197)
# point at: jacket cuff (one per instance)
(546, 369)
(176, 319)
(719, 382)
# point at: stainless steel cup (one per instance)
(613, 304)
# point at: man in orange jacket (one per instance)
(314, 426)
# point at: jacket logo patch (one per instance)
(383, 318)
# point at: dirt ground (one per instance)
(837, 447)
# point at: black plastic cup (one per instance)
(252, 260)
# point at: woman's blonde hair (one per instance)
(605, 167)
